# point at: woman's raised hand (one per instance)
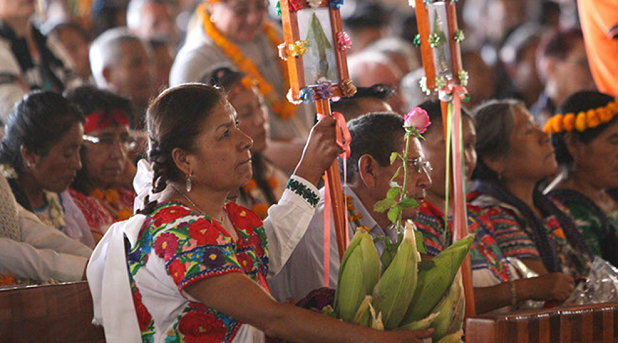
(320, 151)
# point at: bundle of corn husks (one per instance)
(409, 294)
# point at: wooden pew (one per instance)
(49, 313)
(591, 323)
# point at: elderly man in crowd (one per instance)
(120, 63)
(154, 19)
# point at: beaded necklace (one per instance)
(280, 106)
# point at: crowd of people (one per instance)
(154, 138)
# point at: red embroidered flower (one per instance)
(143, 316)
(177, 270)
(246, 262)
(165, 245)
(169, 214)
(201, 327)
(204, 232)
(243, 218)
(256, 241)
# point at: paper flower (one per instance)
(336, 4)
(347, 88)
(291, 99)
(278, 8)
(463, 77)
(440, 82)
(298, 48)
(283, 53)
(343, 41)
(417, 119)
(306, 95)
(417, 40)
(296, 5)
(314, 3)
(323, 90)
(435, 40)
(459, 36)
(423, 84)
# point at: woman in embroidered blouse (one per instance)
(268, 182)
(588, 153)
(40, 157)
(513, 156)
(205, 258)
(97, 190)
(496, 281)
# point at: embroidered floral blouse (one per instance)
(178, 247)
(485, 253)
(100, 213)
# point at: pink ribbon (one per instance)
(343, 139)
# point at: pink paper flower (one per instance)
(418, 119)
(343, 41)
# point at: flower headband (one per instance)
(582, 120)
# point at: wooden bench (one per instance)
(590, 324)
(49, 313)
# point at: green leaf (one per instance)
(393, 193)
(390, 249)
(393, 213)
(396, 174)
(394, 156)
(384, 205)
(408, 203)
(420, 242)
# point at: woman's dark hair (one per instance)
(223, 77)
(580, 102)
(174, 120)
(494, 125)
(434, 111)
(90, 100)
(37, 123)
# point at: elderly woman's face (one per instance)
(239, 20)
(17, 9)
(56, 170)
(105, 156)
(251, 116)
(531, 155)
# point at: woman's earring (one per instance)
(189, 185)
(28, 165)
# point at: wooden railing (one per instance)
(50, 314)
(590, 324)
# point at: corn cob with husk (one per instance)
(422, 324)
(451, 311)
(435, 278)
(393, 293)
(452, 338)
(358, 274)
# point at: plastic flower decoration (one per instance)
(306, 95)
(298, 48)
(336, 4)
(296, 5)
(314, 3)
(323, 90)
(397, 199)
(343, 41)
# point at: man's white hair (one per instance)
(106, 51)
(135, 9)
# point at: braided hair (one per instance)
(174, 120)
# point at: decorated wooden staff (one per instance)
(439, 40)
(315, 49)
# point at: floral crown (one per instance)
(583, 120)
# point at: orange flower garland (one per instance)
(582, 120)
(110, 198)
(280, 105)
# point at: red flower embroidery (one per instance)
(169, 214)
(177, 270)
(204, 232)
(246, 262)
(143, 316)
(165, 245)
(195, 326)
(243, 218)
(256, 241)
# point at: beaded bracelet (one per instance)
(513, 293)
(303, 191)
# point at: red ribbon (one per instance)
(343, 139)
(104, 119)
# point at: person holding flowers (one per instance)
(513, 156)
(268, 182)
(197, 264)
(97, 189)
(585, 136)
(236, 33)
(40, 158)
(375, 137)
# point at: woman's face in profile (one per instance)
(56, 170)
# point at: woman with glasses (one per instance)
(236, 33)
(40, 158)
(496, 279)
(97, 189)
(514, 155)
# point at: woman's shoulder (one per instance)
(243, 218)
